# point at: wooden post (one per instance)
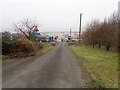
(80, 28)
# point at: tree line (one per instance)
(102, 33)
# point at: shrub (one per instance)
(22, 47)
(8, 46)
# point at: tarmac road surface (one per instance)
(56, 69)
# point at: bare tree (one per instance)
(102, 33)
(26, 27)
(91, 35)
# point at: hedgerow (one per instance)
(22, 47)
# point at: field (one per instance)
(102, 65)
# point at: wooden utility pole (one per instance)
(70, 32)
(118, 26)
(80, 28)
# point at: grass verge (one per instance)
(45, 49)
(102, 65)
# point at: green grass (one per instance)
(101, 64)
(45, 49)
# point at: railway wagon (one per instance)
(45, 39)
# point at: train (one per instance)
(45, 39)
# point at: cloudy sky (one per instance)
(54, 15)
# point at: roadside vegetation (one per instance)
(23, 48)
(102, 33)
(45, 49)
(97, 51)
(102, 65)
(23, 43)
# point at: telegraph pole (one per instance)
(70, 32)
(80, 28)
(118, 26)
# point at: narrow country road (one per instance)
(56, 69)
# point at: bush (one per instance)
(8, 46)
(21, 47)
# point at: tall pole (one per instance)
(119, 27)
(80, 28)
(70, 32)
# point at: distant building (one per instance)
(61, 35)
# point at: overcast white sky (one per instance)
(55, 15)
